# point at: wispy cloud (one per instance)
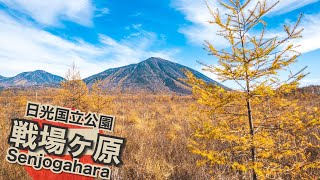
(196, 12)
(285, 6)
(310, 35)
(54, 11)
(102, 12)
(136, 14)
(25, 47)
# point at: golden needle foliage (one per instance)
(258, 131)
(74, 90)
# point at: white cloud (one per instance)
(196, 12)
(24, 47)
(310, 36)
(102, 12)
(53, 11)
(285, 6)
(136, 14)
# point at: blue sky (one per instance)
(102, 34)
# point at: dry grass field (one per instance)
(157, 129)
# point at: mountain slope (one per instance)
(311, 89)
(154, 75)
(33, 78)
(2, 77)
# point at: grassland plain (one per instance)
(157, 128)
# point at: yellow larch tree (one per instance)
(256, 131)
(100, 102)
(74, 91)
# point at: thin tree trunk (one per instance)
(253, 153)
(246, 61)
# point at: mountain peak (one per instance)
(31, 78)
(39, 71)
(155, 75)
(155, 59)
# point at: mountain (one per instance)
(153, 75)
(34, 78)
(312, 89)
(2, 77)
